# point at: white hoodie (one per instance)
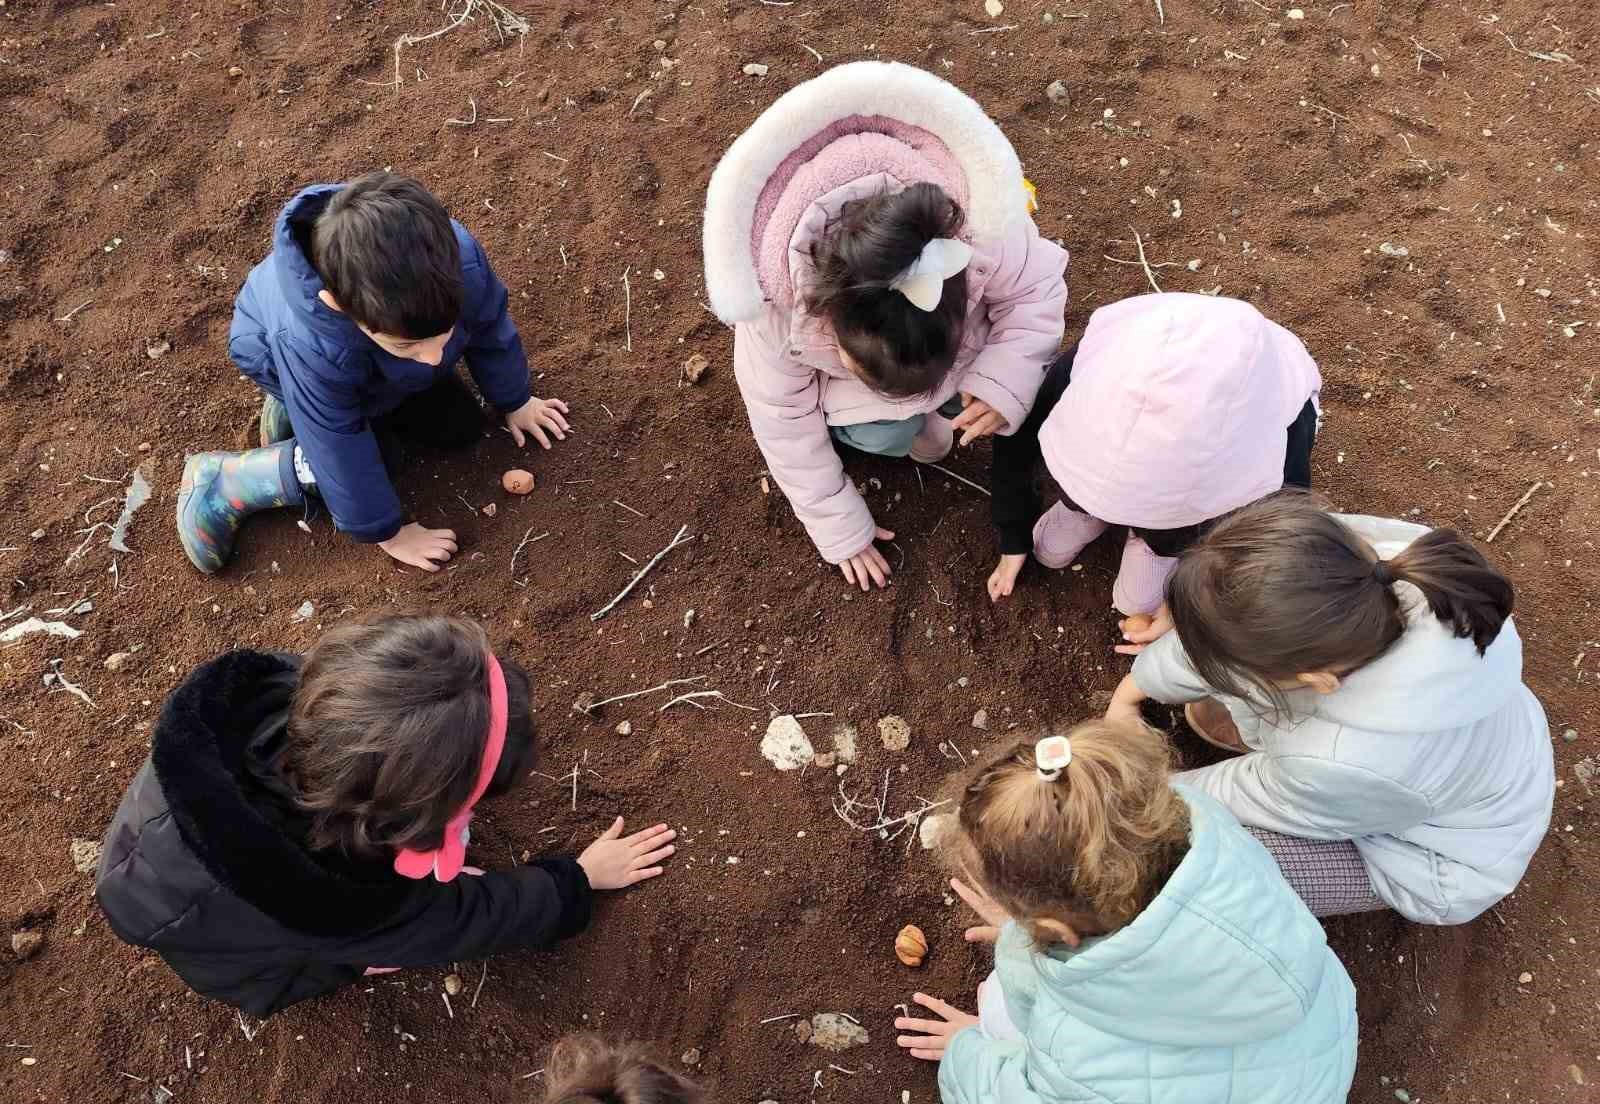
(1434, 760)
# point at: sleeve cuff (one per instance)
(577, 899)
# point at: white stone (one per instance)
(786, 745)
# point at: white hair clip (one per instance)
(1051, 756)
(923, 282)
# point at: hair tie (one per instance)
(1051, 756)
(1382, 573)
(445, 861)
(923, 282)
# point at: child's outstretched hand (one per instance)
(421, 547)
(617, 862)
(1144, 630)
(1003, 579)
(979, 419)
(543, 418)
(868, 565)
(936, 1034)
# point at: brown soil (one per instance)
(141, 178)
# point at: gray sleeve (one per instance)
(1163, 672)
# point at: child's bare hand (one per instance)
(1143, 629)
(617, 862)
(935, 1034)
(420, 547)
(543, 418)
(868, 565)
(979, 419)
(988, 909)
(1003, 579)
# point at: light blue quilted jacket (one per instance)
(1223, 991)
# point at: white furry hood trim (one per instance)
(902, 92)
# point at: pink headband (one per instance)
(446, 862)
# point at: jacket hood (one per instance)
(1431, 679)
(1177, 410)
(207, 755)
(933, 124)
(1226, 954)
(297, 278)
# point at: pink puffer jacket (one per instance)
(859, 130)
(1176, 410)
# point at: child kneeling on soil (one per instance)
(1173, 410)
(353, 328)
(585, 1069)
(868, 239)
(1146, 948)
(1369, 675)
(298, 825)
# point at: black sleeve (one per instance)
(475, 917)
(1015, 463)
(1297, 457)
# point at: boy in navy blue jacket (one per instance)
(352, 327)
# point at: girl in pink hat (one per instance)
(868, 239)
(1173, 410)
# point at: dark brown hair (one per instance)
(1101, 840)
(585, 1069)
(900, 349)
(1283, 587)
(387, 730)
(387, 253)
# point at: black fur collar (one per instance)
(233, 825)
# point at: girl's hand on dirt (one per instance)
(979, 419)
(1143, 630)
(935, 1034)
(988, 909)
(1003, 579)
(419, 547)
(868, 565)
(617, 862)
(538, 417)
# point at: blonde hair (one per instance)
(585, 1069)
(1101, 839)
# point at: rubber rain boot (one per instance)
(221, 489)
(275, 425)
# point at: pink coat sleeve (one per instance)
(785, 408)
(1026, 300)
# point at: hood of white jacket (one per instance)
(1430, 679)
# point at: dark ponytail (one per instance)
(1461, 587)
(900, 349)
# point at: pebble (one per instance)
(490, 510)
(37, 534)
(157, 350)
(30, 1061)
(691, 1057)
(1295, 13)
(695, 367)
(1389, 249)
(1570, 735)
(786, 745)
(235, 72)
(116, 661)
(1057, 92)
(755, 69)
(1402, 1096)
(452, 984)
(85, 855)
(625, 728)
(994, 8)
(980, 719)
(833, 1031)
(304, 612)
(895, 733)
(1576, 1073)
(1524, 978)
(26, 944)
(688, 617)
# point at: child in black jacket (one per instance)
(300, 825)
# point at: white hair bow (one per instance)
(923, 282)
(1051, 756)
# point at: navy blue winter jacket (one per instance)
(333, 378)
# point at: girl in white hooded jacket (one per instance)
(1370, 675)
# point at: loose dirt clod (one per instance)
(116, 661)
(691, 1057)
(895, 733)
(755, 69)
(980, 719)
(694, 368)
(157, 349)
(1056, 91)
(26, 944)
(834, 1031)
(85, 855)
(786, 745)
(625, 728)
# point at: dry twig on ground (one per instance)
(681, 538)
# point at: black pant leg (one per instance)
(446, 415)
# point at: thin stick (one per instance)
(1511, 513)
(709, 647)
(994, 30)
(472, 103)
(810, 51)
(447, 1008)
(961, 479)
(785, 1016)
(1161, 13)
(481, 979)
(689, 699)
(1144, 261)
(641, 693)
(609, 606)
(527, 539)
(68, 316)
(554, 157)
(627, 306)
(625, 506)
(70, 687)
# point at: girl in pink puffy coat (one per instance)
(1173, 410)
(868, 238)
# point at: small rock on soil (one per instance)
(26, 944)
(786, 745)
(895, 733)
(85, 856)
(833, 1031)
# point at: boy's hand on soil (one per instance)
(617, 862)
(543, 418)
(979, 419)
(988, 909)
(868, 565)
(420, 547)
(1003, 579)
(1139, 632)
(935, 1034)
